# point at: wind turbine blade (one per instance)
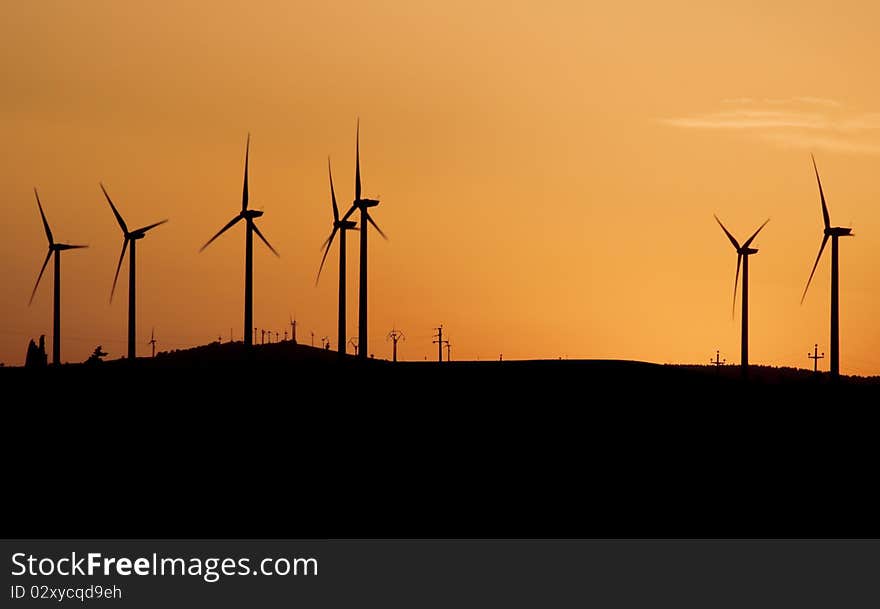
(735, 284)
(376, 226)
(66, 246)
(825, 215)
(821, 247)
(150, 226)
(727, 232)
(328, 243)
(40, 276)
(357, 166)
(118, 266)
(260, 235)
(115, 212)
(221, 231)
(332, 193)
(749, 242)
(244, 192)
(45, 222)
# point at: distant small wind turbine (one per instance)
(248, 216)
(340, 226)
(152, 341)
(742, 256)
(56, 249)
(834, 232)
(128, 237)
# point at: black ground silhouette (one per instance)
(275, 441)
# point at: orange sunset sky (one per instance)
(548, 171)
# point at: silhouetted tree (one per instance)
(97, 356)
(36, 356)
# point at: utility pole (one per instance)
(718, 361)
(313, 338)
(448, 351)
(153, 341)
(353, 341)
(816, 357)
(439, 342)
(293, 329)
(395, 335)
(262, 337)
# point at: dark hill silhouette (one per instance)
(275, 441)
(583, 382)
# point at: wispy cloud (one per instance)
(816, 142)
(804, 100)
(803, 122)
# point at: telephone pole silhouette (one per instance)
(438, 340)
(395, 335)
(448, 351)
(816, 357)
(717, 362)
(353, 341)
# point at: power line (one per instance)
(438, 340)
(816, 357)
(395, 335)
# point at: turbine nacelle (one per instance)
(345, 225)
(251, 213)
(364, 203)
(746, 251)
(838, 231)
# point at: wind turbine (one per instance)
(363, 205)
(248, 216)
(152, 341)
(834, 232)
(128, 237)
(339, 226)
(742, 256)
(56, 249)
